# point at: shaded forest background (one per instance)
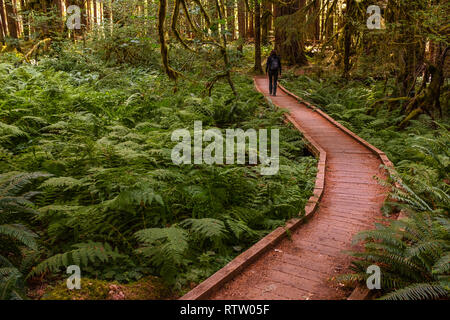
(411, 46)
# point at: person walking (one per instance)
(273, 68)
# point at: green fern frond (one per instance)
(8, 131)
(19, 233)
(12, 183)
(432, 248)
(351, 277)
(60, 182)
(11, 286)
(240, 229)
(418, 291)
(171, 242)
(140, 194)
(82, 255)
(387, 235)
(442, 266)
(208, 228)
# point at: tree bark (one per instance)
(257, 68)
(250, 28)
(2, 33)
(265, 21)
(230, 18)
(347, 37)
(241, 19)
(12, 27)
(4, 24)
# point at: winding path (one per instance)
(301, 267)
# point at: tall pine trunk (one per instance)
(241, 19)
(348, 37)
(257, 68)
(4, 22)
(250, 26)
(265, 21)
(2, 33)
(241, 24)
(230, 18)
(12, 26)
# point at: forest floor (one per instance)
(304, 265)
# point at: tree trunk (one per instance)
(89, 15)
(329, 24)
(60, 6)
(409, 50)
(241, 19)
(257, 68)
(347, 38)
(317, 21)
(12, 27)
(230, 18)
(265, 21)
(4, 23)
(250, 29)
(2, 33)
(95, 13)
(25, 19)
(84, 17)
(108, 14)
(17, 17)
(289, 46)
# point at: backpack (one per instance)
(274, 64)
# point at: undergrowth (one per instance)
(110, 198)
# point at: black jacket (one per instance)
(269, 62)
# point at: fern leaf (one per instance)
(82, 255)
(442, 266)
(60, 182)
(207, 228)
(19, 233)
(418, 291)
(172, 242)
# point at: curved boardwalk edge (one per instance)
(360, 292)
(237, 265)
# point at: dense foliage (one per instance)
(111, 200)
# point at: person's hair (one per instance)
(273, 52)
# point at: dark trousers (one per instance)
(273, 79)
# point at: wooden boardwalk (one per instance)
(301, 267)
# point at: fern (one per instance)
(82, 255)
(10, 132)
(19, 233)
(14, 203)
(418, 291)
(11, 284)
(172, 241)
(413, 255)
(61, 182)
(442, 266)
(106, 141)
(14, 182)
(207, 228)
(166, 248)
